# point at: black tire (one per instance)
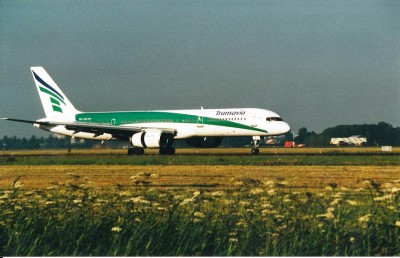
(255, 151)
(135, 151)
(167, 151)
(131, 151)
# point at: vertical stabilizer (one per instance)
(55, 104)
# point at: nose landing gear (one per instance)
(255, 150)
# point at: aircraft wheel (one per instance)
(167, 151)
(131, 151)
(255, 151)
(135, 151)
(139, 151)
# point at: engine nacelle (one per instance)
(204, 142)
(152, 139)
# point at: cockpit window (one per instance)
(274, 118)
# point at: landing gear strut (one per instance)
(135, 151)
(255, 150)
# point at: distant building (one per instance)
(355, 140)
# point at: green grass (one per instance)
(264, 160)
(272, 219)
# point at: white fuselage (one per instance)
(186, 123)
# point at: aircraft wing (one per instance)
(120, 132)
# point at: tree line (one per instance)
(380, 134)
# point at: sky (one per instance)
(318, 64)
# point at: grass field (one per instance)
(58, 204)
(220, 156)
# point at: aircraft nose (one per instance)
(279, 128)
(285, 128)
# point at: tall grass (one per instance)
(267, 218)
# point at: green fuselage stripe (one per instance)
(139, 117)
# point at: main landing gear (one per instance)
(167, 151)
(135, 151)
(255, 150)
(140, 151)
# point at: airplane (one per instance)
(202, 128)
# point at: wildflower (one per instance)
(124, 193)
(395, 190)
(330, 210)
(233, 240)
(397, 224)
(282, 183)
(266, 205)
(269, 183)
(244, 203)
(327, 215)
(217, 193)
(367, 183)
(286, 199)
(116, 229)
(328, 188)
(196, 193)
(364, 218)
(29, 193)
(18, 184)
(186, 201)
(256, 191)
(282, 227)
(383, 198)
(352, 239)
(336, 201)
(229, 201)
(199, 214)
(140, 199)
(77, 201)
(271, 192)
(387, 186)
(241, 223)
(352, 203)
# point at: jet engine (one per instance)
(205, 142)
(152, 139)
